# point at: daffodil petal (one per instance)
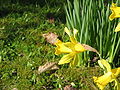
(103, 63)
(74, 62)
(58, 42)
(117, 29)
(75, 31)
(115, 12)
(73, 40)
(66, 58)
(67, 31)
(72, 37)
(70, 45)
(102, 81)
(100, 64)
(116, 71)
(61, 48)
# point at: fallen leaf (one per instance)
(50, 37)
(89, 48)
(47, 66)
(69, 87)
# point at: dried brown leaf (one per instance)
(69, 87)
(89, 48)
(50, 37)
(47, 66)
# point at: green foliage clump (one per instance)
(91, 19)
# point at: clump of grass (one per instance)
(91, 18)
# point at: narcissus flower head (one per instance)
(72, 48)
(109, 76)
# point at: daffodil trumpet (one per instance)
(110, 75)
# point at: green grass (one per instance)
(23, 49)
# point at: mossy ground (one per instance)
(23, 50)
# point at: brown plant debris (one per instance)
(69, 87)
(50, 37)
(47, 66)
(89, 48)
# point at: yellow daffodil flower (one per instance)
(115, 12)
(70, 48)
(109, 76)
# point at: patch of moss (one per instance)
(82, 77)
